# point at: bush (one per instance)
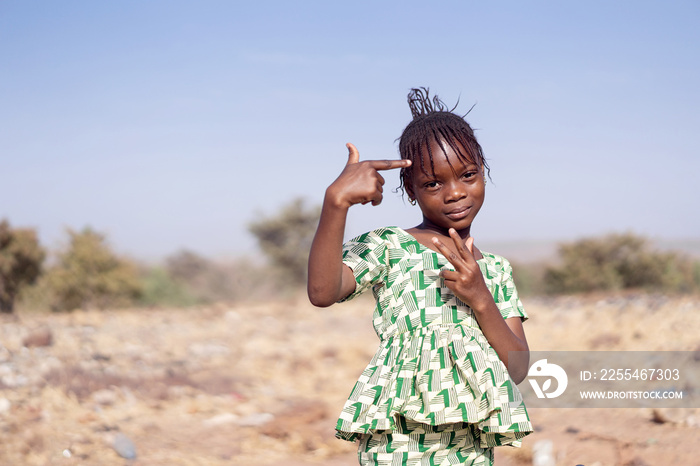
(206, 281)
(616, 262)
(21, 258)
(529, 278)
(160, 289)
(285, 238)
(89, 275)
(203, 280)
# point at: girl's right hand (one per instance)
(360, 182)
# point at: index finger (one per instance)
(450, 255)
(389, 164)
(465, 248)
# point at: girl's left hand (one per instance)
(466, 280)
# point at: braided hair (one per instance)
(434, 121)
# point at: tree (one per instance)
(286, 239)
(618, 261)
(21, 257)
(89, 275)
(204, 280)
(160, 289)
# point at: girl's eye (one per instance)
(469, 175)
(431, 184)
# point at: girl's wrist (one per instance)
(334, 200)
(485, 306)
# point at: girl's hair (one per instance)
(434, 121)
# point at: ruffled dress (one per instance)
(433, 365)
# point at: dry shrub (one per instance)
(203, 281)
(285, 238)
(89, 275)
(620, 262)
(21, 258)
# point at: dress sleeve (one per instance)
(507, 298)
(366, 256)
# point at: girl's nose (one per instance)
(455, 192)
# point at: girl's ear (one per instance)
(408, 187)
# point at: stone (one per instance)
(38, 338)
(221, 419)
(124, 446)
(104, 397)
(543, 453)
(5, 405)
(255, 420)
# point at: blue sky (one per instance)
(174, 124)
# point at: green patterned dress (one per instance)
(435, 392)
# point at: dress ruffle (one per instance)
(436, 375)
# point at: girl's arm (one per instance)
(329, 279)
(506, 336)
(359, 183)
(467, 283)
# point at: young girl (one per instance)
(440, 389)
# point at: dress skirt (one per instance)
(417, 444)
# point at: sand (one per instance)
(251, 384)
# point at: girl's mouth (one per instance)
(459, 213)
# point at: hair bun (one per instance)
(420, 103)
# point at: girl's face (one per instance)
(452, 195)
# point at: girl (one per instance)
(440, 389)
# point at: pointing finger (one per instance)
(353, 153)
(389, 164)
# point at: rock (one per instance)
(7, 369)
(5, 405)
(124, 446)
(543, 453)
(297, 417)
(48, 364)
(206, 350)
(13, 380)
(605, 340)
(101, 357)
(38, 338)
(659, 416)
(221, 419)
(636, 461)
(667, 415)
(104, 397)
(255, 420)
(232, 316)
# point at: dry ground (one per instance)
(262, 385)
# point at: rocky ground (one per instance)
(262, 385)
